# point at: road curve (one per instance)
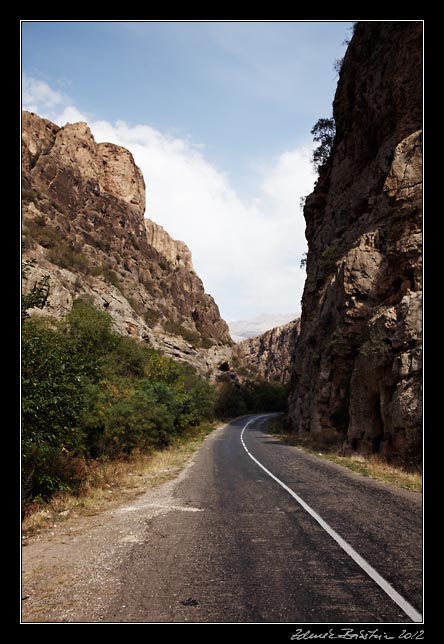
(238, 547)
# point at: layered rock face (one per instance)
(83, 209)
(357, 366)
(269, 356)
(175, 252)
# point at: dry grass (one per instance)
(374, 467)
(112, 482)
(327, 447)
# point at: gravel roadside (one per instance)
(70, 573)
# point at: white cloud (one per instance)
(70, 114)
(37, 93)
(246, 252)
(39, 97)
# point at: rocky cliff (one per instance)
(269, 356)
(357, 368)
(83, 221)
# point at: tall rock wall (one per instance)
(83, 222)
(269, 356)
(357, 366)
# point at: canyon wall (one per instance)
(269, 356)
(83, 223)
(357, 367)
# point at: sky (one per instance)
(218, 116)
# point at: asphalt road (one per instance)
(238, 547)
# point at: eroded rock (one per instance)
(83, 222)
(357, 366)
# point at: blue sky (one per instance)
(218, 117)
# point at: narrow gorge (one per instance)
(84, 225)
(177, 467)
(353, 360)
(357, 365)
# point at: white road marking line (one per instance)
(366, 567)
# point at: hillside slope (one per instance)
(83, 207)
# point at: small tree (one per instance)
(323, 132)
(37, 297)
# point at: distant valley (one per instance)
(242, 329)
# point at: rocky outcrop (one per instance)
(83, 220)
(357, 367)
(268, 356)
(175, 252)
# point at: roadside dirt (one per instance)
(69, 573)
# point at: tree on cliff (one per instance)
(323, 132)
(37, 297)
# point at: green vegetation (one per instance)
(329, 257)
(88, 394)
(109, 482)
(69, 257)
(251, 398)
(323, 131)
(91, 397)
(37, 297)
(151, 317)
(37, 230)
(193, 337)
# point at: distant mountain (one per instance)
(242, 329)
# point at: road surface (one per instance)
(238, 546)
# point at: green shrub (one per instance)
(177, 329)
(151, 317)
(111, 276)
(126, 419)
(37, 297)
(47, 469)
(127, 358)
(252, 397)
(44, 235)
(69, 257)
(329, 257)
(53, 399)
(230, 401)
(89, 393)
(91, 331)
